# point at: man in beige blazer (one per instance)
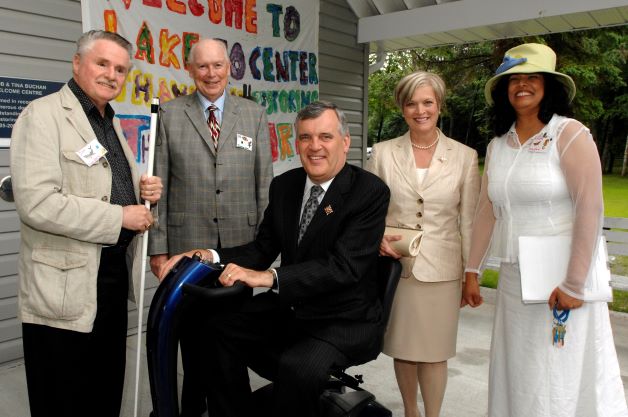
(79, 254)
(213, 196)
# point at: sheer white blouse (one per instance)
(550, 185)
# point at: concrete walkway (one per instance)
(466, 391)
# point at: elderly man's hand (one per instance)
(167, 266)
(137, 218)
(150, 188)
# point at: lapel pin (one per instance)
(442, 159)
(328, 210)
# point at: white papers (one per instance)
(543, 262)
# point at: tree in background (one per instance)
(595, 59)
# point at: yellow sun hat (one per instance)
(526, 59)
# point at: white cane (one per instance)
(154, 110)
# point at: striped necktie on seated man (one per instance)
(310, 208)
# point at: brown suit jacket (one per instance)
(210, 195)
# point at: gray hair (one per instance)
(87, 39)
(220, 41)
(407, 86)
(315, 109)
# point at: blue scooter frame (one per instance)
(162, 339)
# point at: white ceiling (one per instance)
(390, 25)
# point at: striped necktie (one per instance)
(309, 210)
(214, 126)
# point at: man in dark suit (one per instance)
(215, 188)
(326, 310)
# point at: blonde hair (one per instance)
(407, 85)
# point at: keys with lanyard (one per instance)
(559, 327)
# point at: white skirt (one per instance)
(530, 377)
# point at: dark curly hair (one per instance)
(555, 101)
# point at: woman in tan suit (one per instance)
(434, 183)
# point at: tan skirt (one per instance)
(423, 323)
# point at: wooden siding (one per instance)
(37, 40)
(343, 70)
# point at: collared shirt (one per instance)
(205, 103)
(306, 192)
(306, 195)
(122, 190)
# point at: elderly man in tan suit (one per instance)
(213, 153)
(77, 190)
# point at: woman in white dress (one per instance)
(542, 177)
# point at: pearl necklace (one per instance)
(414, 145)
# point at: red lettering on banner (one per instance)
(152, 3)
(144, 43)
(233, 7)
(215, 11)
(251, 16)
(167, 44)
(233, 12)
(176, 6)
(274, 143)
(285, 133)
(111, 21)
(196, 8)
(189, 39)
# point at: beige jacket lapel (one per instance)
(403, 157)
(439, 161)
(76, 116)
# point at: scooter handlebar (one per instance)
(215, 292)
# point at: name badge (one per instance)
(92, 152)
(540, 144)
(244, 142)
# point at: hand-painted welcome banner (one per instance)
(273, 48)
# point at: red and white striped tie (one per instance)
(214, 126)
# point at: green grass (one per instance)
(620, 266)
(615, 195)
(489, 278)
(620, 301)
(615, 189)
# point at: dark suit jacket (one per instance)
(328, 281)
(208, 194)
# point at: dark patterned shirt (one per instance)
(122, 191)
